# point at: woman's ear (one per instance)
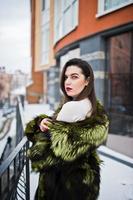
(87, 81)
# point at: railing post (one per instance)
(27, 174)
(0, 186)
(8, 179)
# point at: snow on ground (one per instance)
(34, 177)
(11, 133)
(116, 154)
(116, 177)
(32, 110)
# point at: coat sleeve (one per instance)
(42, 157)
(70, 141)
(32, 130)
(40, 153)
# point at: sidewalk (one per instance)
(116, 177)
(122, 144)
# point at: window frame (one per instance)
(45, 34)
(101, 4)
(43, 5)
(60, 13)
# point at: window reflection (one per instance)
(120, 102)
(113, 3)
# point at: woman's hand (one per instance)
(44, 124)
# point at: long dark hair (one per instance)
(89, 90)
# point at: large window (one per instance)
(107, 6)
(66, 17)
(120, 91)
(45, 32)
(45, 45)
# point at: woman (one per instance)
(64, 146)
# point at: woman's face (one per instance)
(75, 81)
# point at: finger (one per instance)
(45, 123)
(43, 128)
(47, 120)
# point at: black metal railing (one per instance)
(19, 120)
(7, 150)
(14, 171)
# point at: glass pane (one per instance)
(120, 71)
(43, 5)
(65, 4)
(45, 46)
(67, 21)
(108, 4)
(121, 82)
(75, 14)
(66, 17)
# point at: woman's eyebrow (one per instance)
(72, 74)
(75, 74)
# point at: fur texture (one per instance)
(66, 157)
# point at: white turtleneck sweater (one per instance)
(74, 111)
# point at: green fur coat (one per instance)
(66, 157)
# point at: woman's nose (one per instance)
(68, 81)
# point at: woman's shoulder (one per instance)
(83, 102)
(74, 111)
(100, 106)
(82, 106)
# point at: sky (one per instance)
(15, 35)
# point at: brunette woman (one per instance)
(64, 146)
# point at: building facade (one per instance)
(98, 31)
(34, 92)
(5, 86)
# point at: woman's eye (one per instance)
(74, 77)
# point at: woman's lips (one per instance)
(68, 89)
